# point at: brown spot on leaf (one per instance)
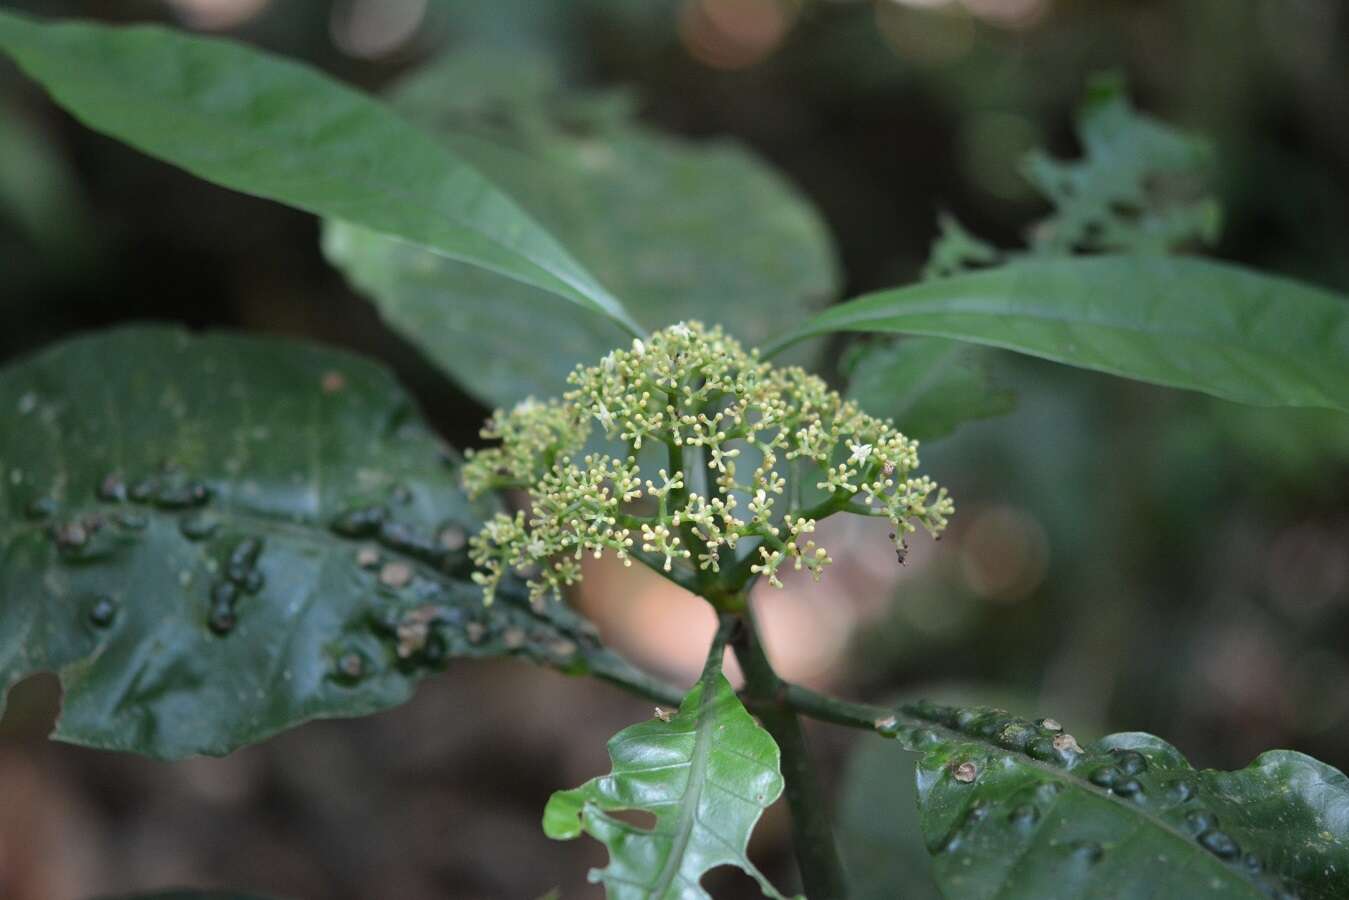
(1066, 742)
(965, 772)
(333, 381)
(415, 627)
(395, 574)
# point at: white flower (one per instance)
(715, 396)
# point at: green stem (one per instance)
(608, 666)
(727, 625)
(816, 852)
(839, 712)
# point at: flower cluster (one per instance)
(751, 457)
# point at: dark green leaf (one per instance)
(1181, 322)
(928, 386)
(1016, 808)
(650, 214)
(265, 126)
(706, 775)
(215, 538)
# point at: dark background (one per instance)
(1125, 557)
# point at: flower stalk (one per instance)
(817, 856)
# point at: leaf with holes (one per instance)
(265, 126)
(215, 538)
(648, 212)
(1141, 185)
(1016, 808)
(706, 772)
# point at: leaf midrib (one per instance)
(688, 806)
(833, 319)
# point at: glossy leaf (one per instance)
(1180, 322)
(651, 214)
(707, 774)
(215, 538)
(265, 126)
(928, 386)
(877, 820)
(1016, 808)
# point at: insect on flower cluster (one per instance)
(744, 459)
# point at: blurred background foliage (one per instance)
(1124, 557)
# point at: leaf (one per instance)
(1140, 186)
(957, 250)
(216, 538)
(706, 775)
(1015, 808)
(928, 386)
(877, 819)
(651, 214)
(265, 126)
(1180, 322)
(877, 826)
(1227, 331)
